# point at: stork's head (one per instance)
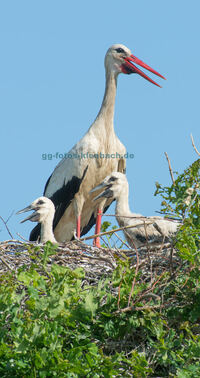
(119, 59)
(43, 208)
(112, 186)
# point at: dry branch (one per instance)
(136, 272)
(5, 224)
(135, 308)
(170, 168)
(198, 153)
(118, 229)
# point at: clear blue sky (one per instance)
(52, 84)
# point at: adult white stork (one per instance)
(157, 229)
(96, 155)
(44, 211)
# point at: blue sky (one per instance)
(52, 83)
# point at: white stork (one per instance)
(157, 229)
(87, 163)
(44, 211)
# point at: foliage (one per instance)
(182, 200)
(53, 324)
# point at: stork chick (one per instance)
(44, 211)
(157, 230)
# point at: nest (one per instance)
(96, 262)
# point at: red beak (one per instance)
(128, 68)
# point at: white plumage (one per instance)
(44, 211)
(86, 164)
(157, 229)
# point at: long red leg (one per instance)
(78, 227)
(96, 241)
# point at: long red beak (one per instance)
(128, 68)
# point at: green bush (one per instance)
(52, 324)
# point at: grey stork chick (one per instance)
(157, 229)
(69, 185)
(44, 211)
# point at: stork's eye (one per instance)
(120, 50)
(40, 202)
(112, 179)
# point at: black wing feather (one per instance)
(92, 221)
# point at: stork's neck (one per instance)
(122, 205)
(108, 105)
(47, 230)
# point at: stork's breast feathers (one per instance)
(99, 155)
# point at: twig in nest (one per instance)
(171, 260)
(136, 272)
(122, 241)
(119, 288)
(147, 244)
(5, 224)
(116, 230)
(170, 168)
(21, 237)
(198, 153)
(4, 262)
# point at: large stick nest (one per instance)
(96, 262)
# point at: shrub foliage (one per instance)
(53, 324)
